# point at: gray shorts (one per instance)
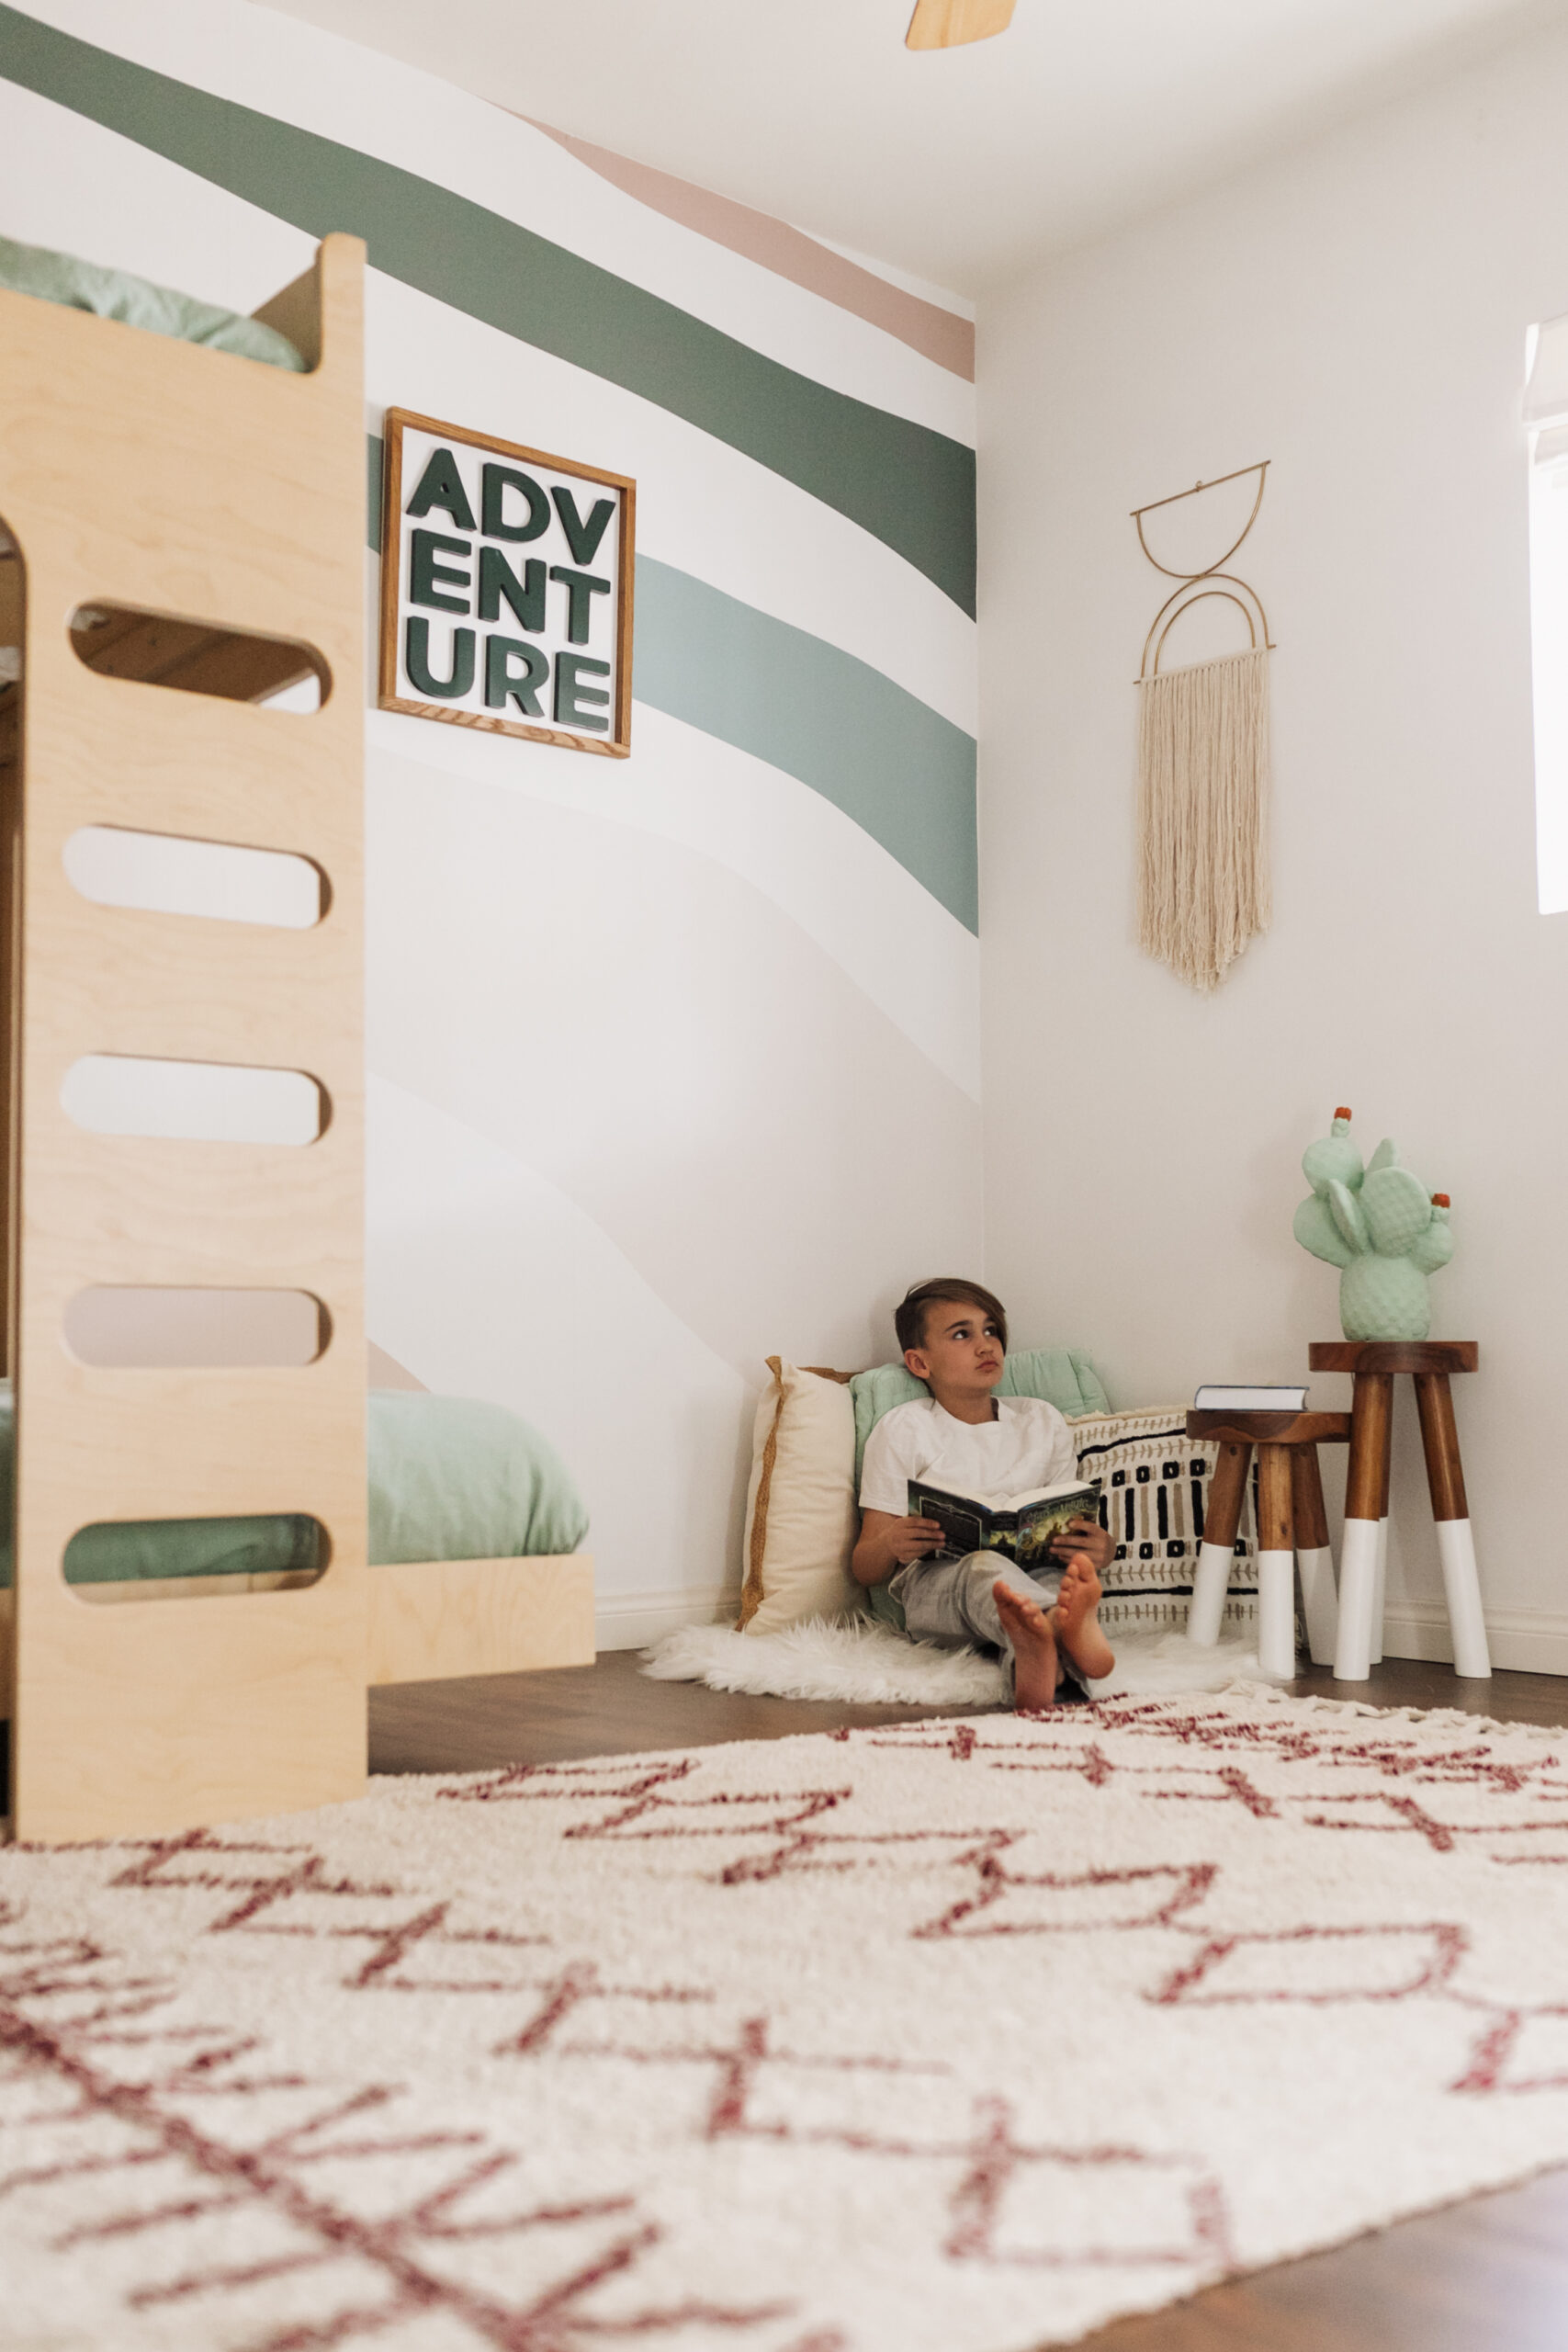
(951, 1601)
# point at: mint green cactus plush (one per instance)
(1380, 1228)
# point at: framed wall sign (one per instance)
(506, 587)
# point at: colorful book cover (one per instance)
(1020, 1526)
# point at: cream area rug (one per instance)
(957, 2037)
(863, 1663)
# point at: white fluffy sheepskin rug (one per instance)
(954, 2036)
(866, 1663)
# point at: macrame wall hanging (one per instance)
(1203, 886)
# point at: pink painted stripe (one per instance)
(925, 327)
(386, 1371)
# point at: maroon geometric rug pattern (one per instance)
(964, 2036)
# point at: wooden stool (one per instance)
(1292, 1525)
(1373, 1363)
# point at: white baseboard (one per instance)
(629, 1621)
(1527, 1641)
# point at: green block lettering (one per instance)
(581, 537)
(579, 586)
(525, 596)
(498, 481)
(424, 572)
(442, 485)
(571, 698)
(522, 685)
(416, 660)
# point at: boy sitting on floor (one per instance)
(954, 1335)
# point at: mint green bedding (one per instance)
(454, 1479)
(114, 294)
(450, 1479)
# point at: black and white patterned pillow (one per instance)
(1154, 1483)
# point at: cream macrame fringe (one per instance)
(1202, 794)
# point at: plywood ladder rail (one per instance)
(158, 476)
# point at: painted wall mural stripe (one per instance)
(902, 771)
(911, 487)
(905, 774)
(938, 334)
(770, 833)
(703, 506)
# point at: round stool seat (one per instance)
(1271, 1429)
(1292, 1526)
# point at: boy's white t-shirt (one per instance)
(1027, 1445)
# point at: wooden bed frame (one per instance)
(217, 505)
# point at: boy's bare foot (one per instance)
(1033, 1640)
(1074, 1621)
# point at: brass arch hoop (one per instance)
(1261, 470)
(1194, 592)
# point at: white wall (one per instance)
(1356, 312)
(674, 1060)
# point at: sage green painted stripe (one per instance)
(910, 487)
(905, 774)
(902, 771)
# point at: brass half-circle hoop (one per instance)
(1195, 592)
(1209, 569)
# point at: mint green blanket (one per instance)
(113, 294)
(450, 1479)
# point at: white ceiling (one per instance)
(958, 165)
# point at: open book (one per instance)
(1021, 1526)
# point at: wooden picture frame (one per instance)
(615, 742)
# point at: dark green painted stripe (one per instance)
(913, 489)
(905, 774)
(375, 487)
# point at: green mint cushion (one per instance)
(1061, 1375)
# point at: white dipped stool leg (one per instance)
(1461, 1588)
(1320, 1601)
(1275, 1564)
(1216, 1554)
(1380, 1594)
(1365, 1501)
(1314, 1559)
(1456, 1545)
(1277, 1613)
(1210, 1585)
(1358, 1595)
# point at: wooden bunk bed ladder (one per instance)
(157, 477)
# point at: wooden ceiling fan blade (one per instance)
(948, 24)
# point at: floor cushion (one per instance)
(801, 1517)
(1155, 1482)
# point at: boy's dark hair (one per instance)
(909, 1317)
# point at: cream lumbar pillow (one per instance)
(801, 1519)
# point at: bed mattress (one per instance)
(450, 1479)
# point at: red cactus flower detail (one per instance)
(1344, 1112)
(1440, 1201)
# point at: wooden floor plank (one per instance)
(606, 1709)
(1490, 2274)
(612, 1709)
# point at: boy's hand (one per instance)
(888, 1542)
(911, 1539)
(1083, 1535)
